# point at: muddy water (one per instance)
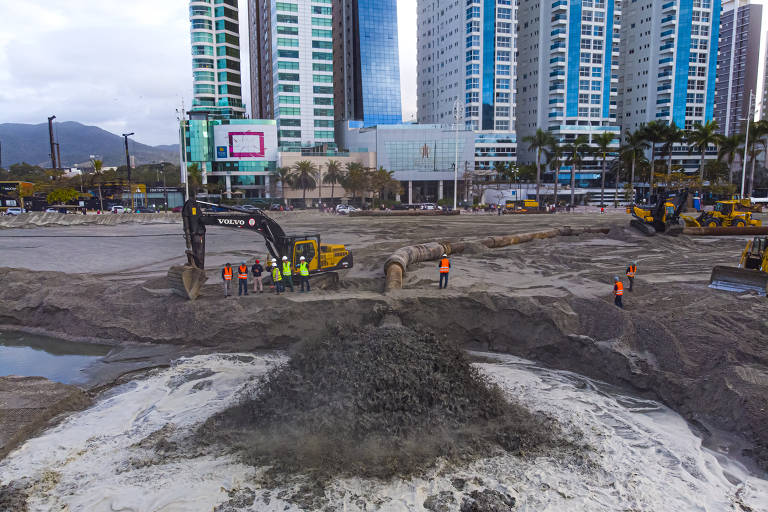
(644, 456)
(32, 355)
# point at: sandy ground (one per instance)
(701, 351)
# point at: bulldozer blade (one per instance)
(735, 279)
(186, 281)
(644, 228)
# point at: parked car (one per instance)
(14, 210)
(177, 209)
(276, 207)
(51, 210)
(429, 206)
(145, 209)
(345, 209)
(249, 208)
(118, 209)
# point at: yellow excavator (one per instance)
(750, 275)
(663, 217)
(735, 213)
(188, 280)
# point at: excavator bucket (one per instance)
(735, 279)
(186, 281)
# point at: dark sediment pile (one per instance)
(376, 403)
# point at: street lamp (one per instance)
(128, 165)
(748, 119)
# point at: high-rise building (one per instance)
(292, 69)
(216, 59)
(669, 60)
(567, 71)
(764, 103)
(737, 63)
(366, 62)
(466, 54)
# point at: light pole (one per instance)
(457, 118)
(181, 113)
(746, 143)
(53, 144)
(128, 165)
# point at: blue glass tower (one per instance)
(367, 62)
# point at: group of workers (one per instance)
(618, 285)
(282, 278)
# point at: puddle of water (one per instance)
(32, 355)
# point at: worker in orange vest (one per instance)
(618, 292)
(242, 279)
(226, 276)
(445, 267)
(631, 273)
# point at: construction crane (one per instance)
(188, 280)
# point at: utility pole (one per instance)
(58, 154)
(165, 190)
(748, 119)
(128, 165)
(53, 148)
(181, 115)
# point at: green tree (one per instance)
(334, 175)
(672, 136)
(62, 196)
(194, 178)
(280, 176)
(304, 176)
(499, 168)
(714, 171)
(701, 137)
(554, 161)
(633, 151)
(603, 141)
(654, 132)
(356, 179)
(98, 166)
(384, 183)
(576, 151)
(728, 150)
(757, 134)
(538, 142)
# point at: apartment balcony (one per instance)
(556, 100)
(669, 7)
(557, 61)
(560, 5)
(557, 72)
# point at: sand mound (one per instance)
(376, 403)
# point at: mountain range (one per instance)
(30, 143)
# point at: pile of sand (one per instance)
(376, 403)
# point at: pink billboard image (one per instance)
(246, 145)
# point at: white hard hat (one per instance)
(302, 258)
(445, 255)
(285, 258)
(274, 260)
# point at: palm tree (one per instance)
(304, 176)
(356, 179)
(538, 142)
(554, 154)
(728, 150)
(280, 176)
(672, 135)
(653, 132)
(333, 175)
(195, 178)
(576, 151)
(760, 130)
(634, 150)
(603, 142)
(701, 137)
(499, 167)
(97, 167)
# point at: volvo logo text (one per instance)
(231, 222)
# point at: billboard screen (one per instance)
(243, 142)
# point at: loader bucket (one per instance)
(735, 279)
(186, 281)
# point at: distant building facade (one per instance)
(366, 62)
(737, 63)
(216, 71)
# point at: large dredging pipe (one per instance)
(397, 264)
(725, 231)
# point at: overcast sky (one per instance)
(126, 65)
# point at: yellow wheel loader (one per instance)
(189, 279)
(750, 275)
(735, 213)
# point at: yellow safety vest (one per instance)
(632, 271)
(276, 274)
(303, 269)
(286, 268)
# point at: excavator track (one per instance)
(644, 228)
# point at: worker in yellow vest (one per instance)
(242, 279)
(304, 273)
(226, 276)
(445, 268)
(287, 277)
(277, 277)
(631, 273)
(618, 292)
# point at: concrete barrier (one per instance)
(40, 219)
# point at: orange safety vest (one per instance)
(619, 289)
(227, 273)
(445, 266)
(242, 272)
(632, 271)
